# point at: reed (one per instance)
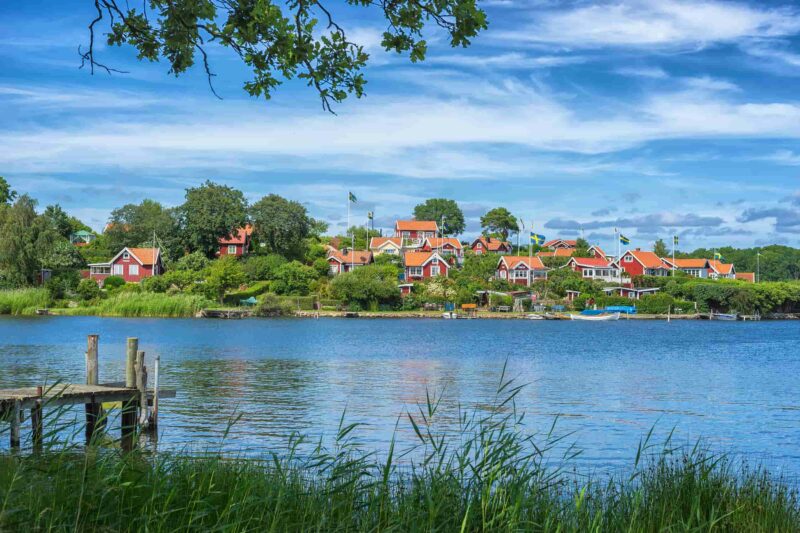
(145, 304)
(489, 476)
(23, 301)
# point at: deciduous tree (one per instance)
(281, 225)
(211, 212)
(499, 221)
(435, 208)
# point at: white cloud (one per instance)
(662, 23)
(782, 157)
(643, 72)
(706, 83)
(509, 60)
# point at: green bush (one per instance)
(113, 282)
(263, 267)
(273, 305)
(294, 278)
(367, 286)
(255, 289)
(195, 261)
(88, 289)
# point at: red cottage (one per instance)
(520, 270)
(347, 260)
(555, 244)
(132, 264)
(238, 244)
(489, 245)
(638, 263)
(414, 232)
(594, 268)
(424, 265)
(446, 246)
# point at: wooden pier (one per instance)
(139, 404)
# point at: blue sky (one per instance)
(658, 117)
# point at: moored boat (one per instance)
(723, 316)
(595, 317)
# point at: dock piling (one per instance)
(36, 421)
(93, 408)
(16, 422)
(130, 362)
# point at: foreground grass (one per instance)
(144, 304)
(489, 476)
(23, 301)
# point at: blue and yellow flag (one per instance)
(675, 240)
(370, 215)
(537, 239)
(624, 240)
(718, 256)
(353, 197)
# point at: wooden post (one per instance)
(130, 362)
(92, 378)
(141, 386)
(16, 415)
(154, 415)
(128, 423)
(36, 421)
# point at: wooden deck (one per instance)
(71, 394)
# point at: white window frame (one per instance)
(133, 270)
(415, 272)
(117, 270)
(435, 270)
(126, 255)
(231, 249)
(520, 273)
(627, 259)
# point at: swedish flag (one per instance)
(370, 215)
(537, 239)
(353, 197)
(718, 256)
(624, 240)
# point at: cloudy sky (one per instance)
(657, 117)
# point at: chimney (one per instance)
(638, 249)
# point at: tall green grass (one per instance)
(23, 301)
(489, 476)
(145, 304)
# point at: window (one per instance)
(588, 273)
(133, 270)
(231, 249)
(406, 234)
(126, 255)
(117, 270)
(434, 270)
(415, 271)
(502, 274)
(479, 246)
(435, 260)
(627, 259)
(334, 268)
(520, 274)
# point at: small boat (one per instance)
(723, 316)
(596, 317)
(533, 316)
(450, 315)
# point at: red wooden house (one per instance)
(520, 270)
(424, 265)
(414, 232)
(347, 260)
(638, 263)
(131, 264)
(446, 246)
(237, 244)
(594, 268)
(490, 245)
(558, 252)
(718, 269)
(555, 244)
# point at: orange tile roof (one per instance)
(377, 242)
(491, 244)
(598, 250)
(416, 225)
(355, 257)
(720, 267)
(648, 259)
(240, 237)
(512, 261)
(436, 242)
(558, 252)
(746, 276)
(551, 242)
(145, 255)
(590, 262)
(687, 263)
(416, 259)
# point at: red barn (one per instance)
(347, 260)
(238, 244)
(131, 264)
(490, 245)
(638, 263)
(424, 265)
(520, 270)
(446, 246)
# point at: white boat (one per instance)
(534, 317)
(595, 318)
(723, 316)
(450, 315)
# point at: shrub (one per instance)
(294, 278)
(367, 286)
(256, 289)
(195, 261)
(223, 274)
(273, 305)
(113, 282)
(62, 283)
(263, 267)
(88, 289)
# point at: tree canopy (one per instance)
(136, 224)
(435, 208)
(499, 221)
(660, 248)
(276, 41)
(211, 212)
(7, 195)
(281, 225)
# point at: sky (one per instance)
(658, 117)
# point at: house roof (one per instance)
(513, 261)
(558, 252)
(436, 242)
(241, 236)
(418, 259)
(83, 233)
(554, 242)
(380, 242)
(647, 259)
(145, 256)
(720, 267)
(417, 225)
(597, 250)
(490, 243)
(746, 276)
(355, 257)
(590, 262)
(687, 263)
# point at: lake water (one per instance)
(736, 385)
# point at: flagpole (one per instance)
(530, 256)
(674, 238)
(619, 257)
(758, 265)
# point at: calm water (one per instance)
(734, 384)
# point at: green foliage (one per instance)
(61, 284)
(435, 208)
(145, 304)
(23, 301)
(255, 289)
(211, 212)
(7, 195)
(224, 274)
(367, 286)
(358, 237)
(478, 267)
(133, 225)
(294, 278)
(581, 248)
(183, 280)
(499, 222)
(660, 248)
(273, 305)
(263, 267)
(195, 262)
(113, 282)
(280, 41)
(281, 226)
(25, 240)
(88, 289)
